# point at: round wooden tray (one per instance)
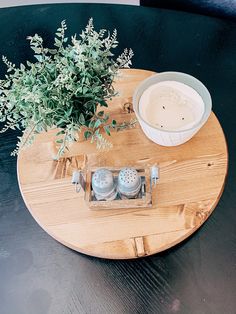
(191, 181)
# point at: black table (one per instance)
(39, 275)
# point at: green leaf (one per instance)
(59, 141)
(60, 132)
(69, 111)
(91, 124)
(97, 123)
(36, 50)
(61, 122)
(57, 43)
(22, 67)
(87, 134)
(52, 51)
(39, 58)
(107, 130)
(81, 119)
(103, 103)
(85, 89)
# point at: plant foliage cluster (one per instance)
(65, 88)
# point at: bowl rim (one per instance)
(187, 77)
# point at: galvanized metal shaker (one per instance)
(129, 183)
(103, 185)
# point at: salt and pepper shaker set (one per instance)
(105, 187)
(108, 187)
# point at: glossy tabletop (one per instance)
(40, 276)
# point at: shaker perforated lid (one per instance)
(129, 181)
(102, 181)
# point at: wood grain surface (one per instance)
(191, 181)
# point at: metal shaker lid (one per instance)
(129, 180)
(102, 181)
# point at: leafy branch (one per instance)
(65, 88)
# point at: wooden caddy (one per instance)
(144, 199)
(191, 181)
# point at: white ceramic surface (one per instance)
(173, 137)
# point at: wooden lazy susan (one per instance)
(191, 181)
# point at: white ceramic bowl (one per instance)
(172, 138)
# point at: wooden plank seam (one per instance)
(139, 246)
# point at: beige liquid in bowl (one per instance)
(171, 106)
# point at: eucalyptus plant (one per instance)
(65, 88)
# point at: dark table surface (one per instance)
(39, 275)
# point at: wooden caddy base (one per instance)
(144, 202)
(192, 178)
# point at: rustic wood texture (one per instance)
(191, 181)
